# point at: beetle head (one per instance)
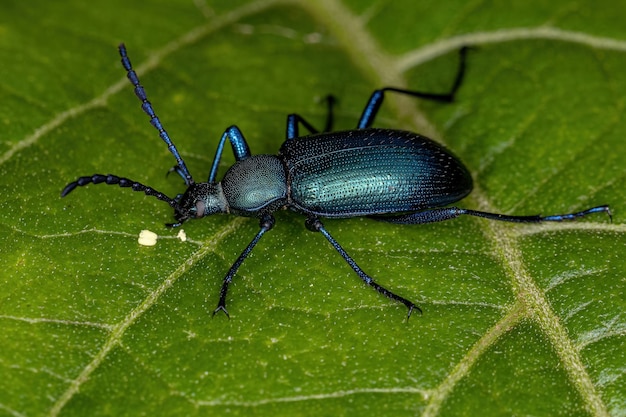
(202, 199)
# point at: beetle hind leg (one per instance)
(447, 213)
(376, 99)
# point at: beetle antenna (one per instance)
(115, 180)
(140, 92)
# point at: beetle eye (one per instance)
(199, 209)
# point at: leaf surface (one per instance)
(518, 320)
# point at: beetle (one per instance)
(390, 175)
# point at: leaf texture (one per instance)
(518, 320)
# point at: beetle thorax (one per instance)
(255, 185)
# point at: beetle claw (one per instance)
(221, 308)
(412, 307)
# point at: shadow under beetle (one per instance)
(391, 175)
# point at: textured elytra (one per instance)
(372, 171)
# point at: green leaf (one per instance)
(518, 320)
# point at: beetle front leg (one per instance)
(315, 225)
(239, 145)
(267, 222)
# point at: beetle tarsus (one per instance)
(219, 308)
(412, 307)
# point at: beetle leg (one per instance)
(180, 172)
(447, 213)
(538, 218)
(315, 225)
(424, 216)
(239, 145)
(376, 99)
(267, 222)
(293, 130)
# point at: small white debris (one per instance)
(147, 238)
(182, 235)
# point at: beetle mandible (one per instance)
(390, 175)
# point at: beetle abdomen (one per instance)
(371, 171)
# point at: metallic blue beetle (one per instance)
(391, 175)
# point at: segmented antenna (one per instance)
(115, 180)
(154, 119)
